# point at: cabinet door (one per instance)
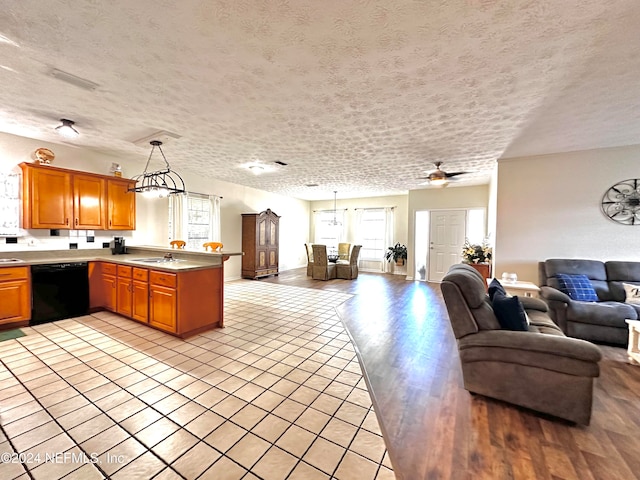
(50, 200)
(140, 304)
(16, 301)
(162, 308)
(88, 202)
(124, 296)
(121, 205)
(109, 290)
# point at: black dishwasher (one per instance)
(59, 290)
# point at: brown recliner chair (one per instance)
(540, 369)
(309, 250)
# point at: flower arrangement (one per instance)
(476, 253)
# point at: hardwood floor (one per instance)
(437, 430)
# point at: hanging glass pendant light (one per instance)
(160, 183)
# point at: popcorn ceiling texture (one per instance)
(359, 96)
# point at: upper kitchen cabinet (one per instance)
(57, 198)
(121, 204)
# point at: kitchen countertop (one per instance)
(186, 260)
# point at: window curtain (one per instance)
(214, 219)
(179, 217)
(389, 228)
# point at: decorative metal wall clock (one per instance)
(621, 203)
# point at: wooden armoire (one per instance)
(260, 233)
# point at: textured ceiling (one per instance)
(358, 96)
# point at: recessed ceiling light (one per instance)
(311, 185)
(256, 169)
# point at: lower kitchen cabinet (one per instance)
(140, 295)
(15, 291)
(124, 294)
(182, 303)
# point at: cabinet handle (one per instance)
(66, 221)
(109, 222)
(76, 221)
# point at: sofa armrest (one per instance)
(550, 293)
(530, 303)
(551, 352)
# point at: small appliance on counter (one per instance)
(117, 246)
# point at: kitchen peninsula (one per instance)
(178, 291)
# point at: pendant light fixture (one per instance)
(335, 222)
(160, 183)
(66, 130)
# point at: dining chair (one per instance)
(177, 243)
(343, 251)
(309, 250)
(322, 269)
(349, 271)
(213, 245)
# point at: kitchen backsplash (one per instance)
(31, 240)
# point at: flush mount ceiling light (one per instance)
(160, 183)
(66, 130)
(256, 169)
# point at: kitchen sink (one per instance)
(10, 260)
(157, 260)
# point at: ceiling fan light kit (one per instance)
(160, 183)
(440, 178)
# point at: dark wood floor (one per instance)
(436, 430)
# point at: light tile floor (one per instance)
(277, 394)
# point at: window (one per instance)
(476, 231)
(372, 234)
(327, 233)
(194, 218)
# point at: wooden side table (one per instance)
(633, 350)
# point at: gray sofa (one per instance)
(601, 321)
(540, 369)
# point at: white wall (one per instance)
(152, 214)
(549, 207)
(450, 197)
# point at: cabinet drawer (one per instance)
(109, 268)
(141, 274)
(163, 278)
(13, 273)
(124, 271)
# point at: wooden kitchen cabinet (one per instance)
(15, 291)
(121, 205)
(260, 243)
(163, 300)
(109, 286)
(58, 198)
(140, 295)
(88, 202)
(124, 294)
(47, 197)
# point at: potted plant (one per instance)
(478, 256)
(397, 253)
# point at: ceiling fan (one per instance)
(439, 177)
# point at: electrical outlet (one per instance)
(31, 242)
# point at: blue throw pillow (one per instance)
(510, 312)
(495, 286)
(578, 287)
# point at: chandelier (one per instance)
(160, 183)
(335, 222)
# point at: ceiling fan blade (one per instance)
(453, 174)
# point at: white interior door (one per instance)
(446, 237)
